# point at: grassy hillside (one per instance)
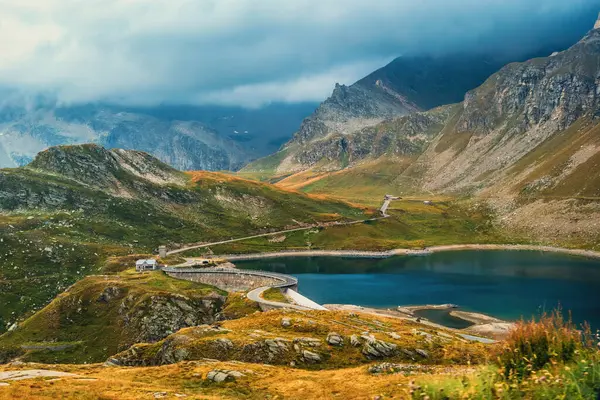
(101, 315)
(412, 224)
(61, 220)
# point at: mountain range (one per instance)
(525, 141)
(189, 137)
(186, 137)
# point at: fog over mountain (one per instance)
(215, 84)
(243, 52)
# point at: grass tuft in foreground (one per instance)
(545, 359)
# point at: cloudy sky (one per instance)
(252, 52)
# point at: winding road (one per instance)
(304, 228)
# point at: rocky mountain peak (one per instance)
(96, 166)
(597, 24)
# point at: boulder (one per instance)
(354, 341)
(422, 353)
(335, 339)
(409, 353)
(286, 322)
(306, 341)
(219, 375)
(378, 349)
(310, 357)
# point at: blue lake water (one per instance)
(505, 284)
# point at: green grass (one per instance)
(412, 225)
(546, 359)
(238, 306)
(364, 184)
(274, 294)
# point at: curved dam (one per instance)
(251, 281)
(233, 280)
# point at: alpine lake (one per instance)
(508, 285)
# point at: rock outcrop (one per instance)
(102, 315)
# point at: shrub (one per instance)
(532, 345)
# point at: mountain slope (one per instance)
(526, 140)
(406, 85)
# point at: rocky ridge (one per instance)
(307, 341)
(406, 86)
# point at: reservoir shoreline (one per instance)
(415, 252)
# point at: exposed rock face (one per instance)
(405, 136)
(343, 129)
(97, 166)
(158, 316)
(352, 107)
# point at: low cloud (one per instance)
(247, 52)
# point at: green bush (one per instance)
(531, 346)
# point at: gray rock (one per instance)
(218, 375)
(306, 341)
(311, 357)
(368, 338)
(394, 335)
(422, 353)
(355, 341)
(379, 349)
(335, 339)
(408, 352)
(286, 322)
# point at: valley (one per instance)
(479, 281)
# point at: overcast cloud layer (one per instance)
(251, 52)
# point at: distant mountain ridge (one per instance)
(185, 137)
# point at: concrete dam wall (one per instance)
(233, 280)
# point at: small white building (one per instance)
(146, 265)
